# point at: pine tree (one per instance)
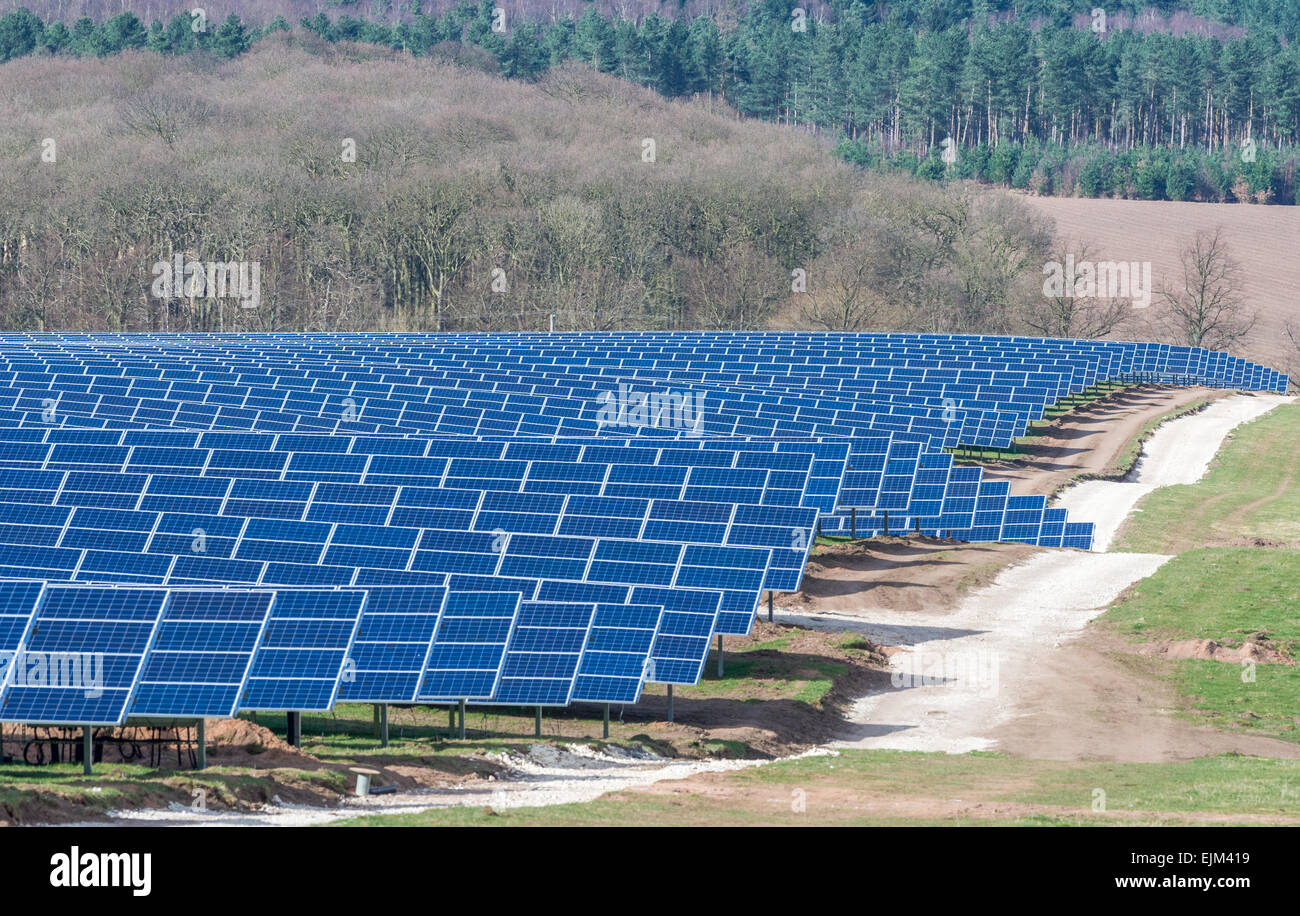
(124, 31)
(231, 39)
(594, 42)
(21, 32)
(705, 56)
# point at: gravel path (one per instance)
(952, 689)
(546, 775)
(960, 679)
(1179, 452)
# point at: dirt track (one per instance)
(1177, 453)
(992, 672)
(1089, 439)
(922, 574)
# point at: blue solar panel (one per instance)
(465, 658)
(17, 605)
(544, 651)
(302, 656)
(615, 663)
(392, 643)
(199, 660)
(81, 656)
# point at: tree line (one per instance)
(902, 85)
(444, 198)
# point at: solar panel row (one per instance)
(1004, 430)
(506, 518)
(92, 655)
(866, 483)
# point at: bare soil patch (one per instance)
(1213, 650)
(1055, 697)
(897, 573)
(758, 717)
(1090, 440)
(239, 742)
(1096, 698)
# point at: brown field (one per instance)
(1264, 240)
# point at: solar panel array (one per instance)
(205, 524)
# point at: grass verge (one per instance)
(1232, 596)
(901, 788)
(1249, 496)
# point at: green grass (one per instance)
(1228, 784)
(1222, 593)
(1221, 694)
(422, 735)
(1251, 491)
(853, 787)
(1226, 594)
(775, 674)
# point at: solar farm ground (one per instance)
(1146, 704)
(785, 689)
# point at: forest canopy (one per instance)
(374, 190)
(1152, 101)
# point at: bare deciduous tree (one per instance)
(849, 284)
(736, 290)
(164, 114)
(1072, 314)
(1206, 308)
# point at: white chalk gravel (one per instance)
(1179, 452)
(960, 678)
(545, 775)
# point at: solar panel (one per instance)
(81, 656)
(616, 659)
(541, 660)
(392, 642)
(17, 605)
(465, 658)
(461, 517)
(300, 660)
(200, 656)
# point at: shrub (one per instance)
(1095, 175)
(1180, 179)
(932, 168)
(1150, 176)
(1003, 161)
